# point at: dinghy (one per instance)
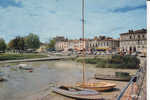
(77, 93)
(2, 79)
(112, 77)
(98, 86)
(25, 67)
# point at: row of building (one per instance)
(131, 41)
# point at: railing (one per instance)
(136, 88)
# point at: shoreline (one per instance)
(37, 59)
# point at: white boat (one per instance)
(25, 67)
(77, 93)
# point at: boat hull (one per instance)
(2, 79)
(111, 77)
(74, 95)
(99, 86)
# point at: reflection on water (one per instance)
(22, 83)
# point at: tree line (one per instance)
(20, 44)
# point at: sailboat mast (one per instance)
(83, 39)
(83, 19)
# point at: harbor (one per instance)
(71, 50)
(22, 85)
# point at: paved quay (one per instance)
(137, 90)
(38, 59)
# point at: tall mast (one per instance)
(83, 39)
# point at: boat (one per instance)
(77, 93)
(1, 79)
(98, 86)
(112, 77)
(25, 67)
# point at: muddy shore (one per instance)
(37, 85)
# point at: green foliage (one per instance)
(17, 43)
(32, 41)
(101, 64)
(122, 74)
(3, 45)
(19, 56)
(51, 44)
(116, 61)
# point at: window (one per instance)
(138, 46)
(143, 36)
(138, 36)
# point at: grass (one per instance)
(6, 56)
(123, 62)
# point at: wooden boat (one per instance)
(77, 93)
(112, 77)
(98, 86)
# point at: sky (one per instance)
(50, 18)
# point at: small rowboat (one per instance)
(2, 79)
(98, 86)
(77, 93)
(25, 67)
(112, 77)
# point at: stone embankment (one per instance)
(39, 59)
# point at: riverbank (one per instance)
(115, 61)
(39, 59)
(6, 56)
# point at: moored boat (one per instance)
(77, 93)
(25, 67)
(98, 86)
(112, 77)
(2, 79)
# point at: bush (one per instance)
(101, 64)
(116, 61)
(19, 56)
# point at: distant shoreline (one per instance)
(46, 58)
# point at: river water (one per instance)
(24, 85)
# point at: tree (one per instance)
(17, 44)
(11, 44)
(32, 41)
(51, 44)
(2, 45)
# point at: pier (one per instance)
(136, 88)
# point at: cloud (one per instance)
(8, 3)
(52, 12)
(50, 18)
(128, 8)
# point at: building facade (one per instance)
(103, 43)
(133, 41)
(66, 45)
